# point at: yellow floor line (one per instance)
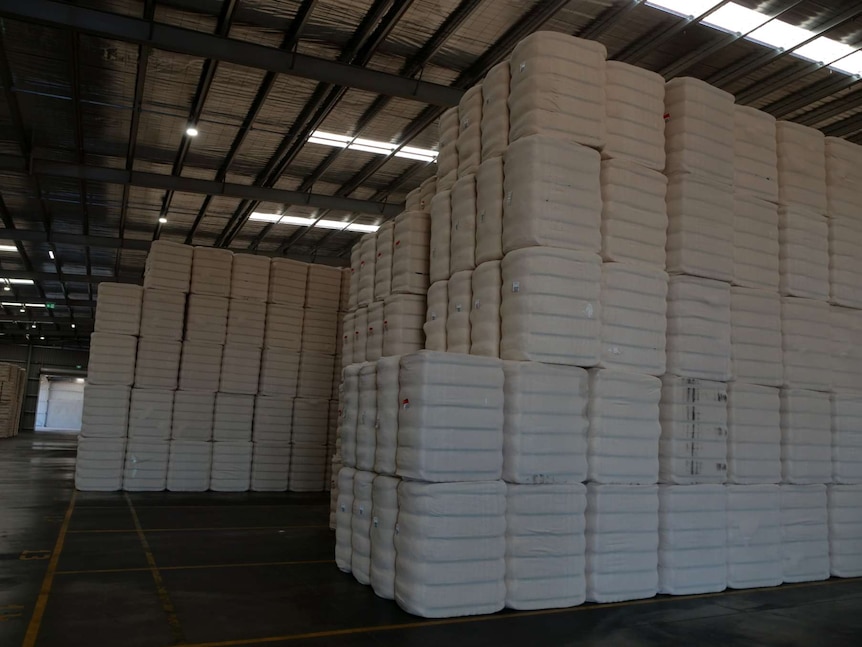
(205, 529)
(195, 567)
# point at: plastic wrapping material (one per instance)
(320, 332)
(427, 190)
(240, 368)
(804, 533)
(806, 437)
(801, 167)
(360, 334)
(450, 548)
(410, 258)
(469, 142)
(249, 277)
(189, 466)
(323, 290)
(99, 464)
(367, 261)
(348, 332)
(344, 519)
(384, 499)
(462, 252)
(700, 227)
(412, 202)
(699, 129)
(807, 344)
(441, 229)
(163, 314)
(447, 155)
(485, 313)
(845, 262)
(231, 466)
(206, 319)
(804, 254)
(545, 546)
(404, 316)
(450, 425)
(489, 210)
(550, 309)
(692, 552)
(693, 416)
(310, 422)
(846, 438)
(233, 417)
(553, 195)
(168, 266)
(287, 279)
(146, 466)
(270, 463)
(634, 323)
(200, 367)
(755, 155)
(112, 359)
(755, 336)
(366, 424)
(157, 365)
(105, 411)
(360, 527)
(150, 413)
(374, 336)
(558, 88)
(383, 264)
(698, 328)
(332, 425)
(344, 296)
(635, 115)
(315, 375)
(624, 430)
(495, 111)
(753, 536)
(843, 176)
(272, 419)
(308, 468)
(753, 434)
(353, 298)
(349, 414)
(622, 542)
(458, 313)
(755, 243)
(388, 404)
(246, 321)
(334, 468)
(435, 317)
(211, 271)
(118, 308)
(279, 372)
(845, 529)
(634, 213)
(193, 416)
(544, 423)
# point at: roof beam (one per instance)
(848, 126)
(65, 277)
(832, 109)
(194, 43)
(810, 94)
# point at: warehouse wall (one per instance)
(60, 404)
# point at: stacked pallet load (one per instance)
(13, 381)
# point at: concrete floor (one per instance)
(215, 570)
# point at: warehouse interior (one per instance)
(250, 157)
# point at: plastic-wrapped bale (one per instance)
(367, 262)
(233, 417)
(755, 336)
(347, 334)
(323, 290)
(753, 536)
(469, 142)
(112, 359)
(163, 314)
(495, 111)
(699, 130)
(349, 414)
(374, 336)
(462, 252)
(843, 175)
(460, 300)
(118, 309)
(845, 529)
(366, 422)
(388, 405)
(99, 464)
(545, 546)
(384, 500)
(550, 308)
(806, 437)
(804, 533)
(287, 279)
(310, 422)
(544, 423)
(553, 195)
(807, 344)
(206, 319)
(270, 464)
(700, 227)
(246, 322)
(635, 115)
(845, 263)
(344, 294)
(360, 334)
(413, 200)
(193, 416)
(485, 313)
(846, 437)
(307, 468)
(105, 411)
(634, 213)
(755, 243)
(146, 466)
(353, 299)
(440, 237)
(211, 271)
(240, 368)
(279, 372)
(435, 317)
(447, 150)
(753, 434)
(383, 264)
(624, 430)
(804, 253)
(231, 466)
(558, 89)
(755, 154)
(404, 317)
(801, 167)
(450, 425)
(698, 328)
(450, 548)
(360, 526)
(693, 417)
(335, 468)
(200, 367)
(489, 210)
(633, 322)
(410, 258)
(157, 365)
(344, 519)
(622, 542)
(249, 277)
(189, 466)
(320, 332)
(168, 266)
(692, 550)
(150, 412)
(315, 375)
(427, 190)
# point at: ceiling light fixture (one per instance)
(73, 325)
(8, 248)
(191, 131)
(17, 281)
(22, 310)
(6, 288)
(301, 221)
(51, 254)
(42, 337)
(372, 146)
(163, 220)
(33, 326)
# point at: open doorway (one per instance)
(61, 401)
